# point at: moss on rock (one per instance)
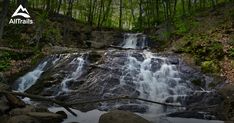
(210, 67)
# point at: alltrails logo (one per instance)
(21, 16)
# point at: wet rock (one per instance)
(203, 99)
(14, 101)
(191, 114)
(4, 86)
(22, 111)
(173, 60)
(46, 117)
(133, 108)
(4, 118)
(225, 108)
(62, 113)
(3, 107)
(121, 117)
(156, 64)
(94, 56)
(22, 119)
(138, 56)
(2, 78)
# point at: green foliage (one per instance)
(231, 52)
(4, 65)
(52, 35)
(202, 47)
(210, 67)
(7, 56)
(38, 56)
(4, 61)
(166, 35)
(183, 25)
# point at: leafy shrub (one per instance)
(183, 25)
(231, 52)
(202, 48)
(4, 61)
(210, 67)
(52, 35)
(4, 65)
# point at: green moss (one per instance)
(210, 67)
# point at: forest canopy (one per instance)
(123, 14)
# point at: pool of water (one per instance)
(94, 115)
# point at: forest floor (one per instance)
(210, 41)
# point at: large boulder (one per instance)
(14, 101)
(26, 110)
(3, 107)
(118, 116)
(22, 119)
(3, 86)
(46, 117)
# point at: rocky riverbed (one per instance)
(127, 69)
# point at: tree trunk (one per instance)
(120, 13)
(24, 3)
(140, 14)
(70, 6)
(59, 5)
(3, 15)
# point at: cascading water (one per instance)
(73, 65)
(30, 78)
(79, 63)
(134, 41)
(155, 78)
(133, 72)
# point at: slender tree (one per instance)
(3, 15)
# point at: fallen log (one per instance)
(123, 98)
(67, 106)
(41, 98)
(16, 50)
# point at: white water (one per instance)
(79, 63)
(131, 40)
(156, 85)
(30, 78)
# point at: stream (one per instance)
(134, 71)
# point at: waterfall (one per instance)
(72, 63)
(155, 78)
(79, 63)
(30, 78)
(135, 73)
(132, 41)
